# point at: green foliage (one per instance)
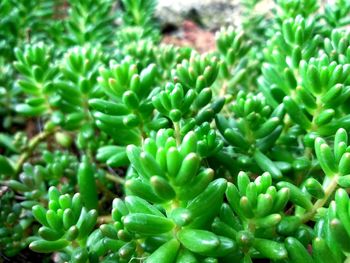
(118, 148)
(66, 224)
(88, 22)
(139, 14)
(12, 226)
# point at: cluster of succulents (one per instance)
(115, 147)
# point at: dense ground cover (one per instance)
(117, 148)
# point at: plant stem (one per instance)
(33, 143)
(320, 203)
(115, 178)
(177, 133)
(104, 219)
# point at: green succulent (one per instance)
(115, 147)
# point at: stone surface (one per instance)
(211, 14)
(194, 22)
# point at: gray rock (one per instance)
(212, 14)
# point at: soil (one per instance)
(26, 256)
(190, 34)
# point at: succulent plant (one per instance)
(115, 147)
